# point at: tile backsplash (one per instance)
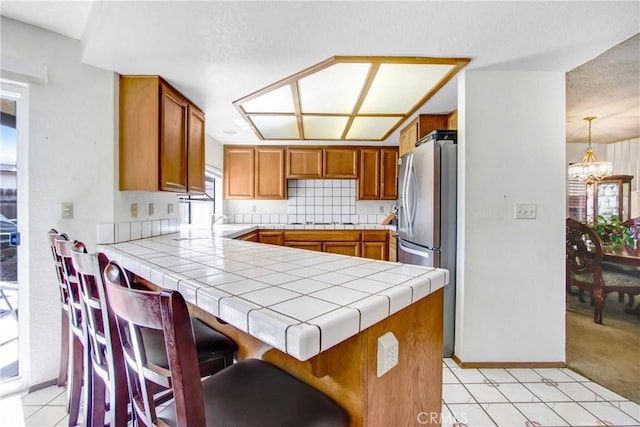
(321, 200)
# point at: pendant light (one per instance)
(590, 169)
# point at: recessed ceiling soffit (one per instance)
(346, 98)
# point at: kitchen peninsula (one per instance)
(316, 315)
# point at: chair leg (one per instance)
(97, 414)
(74, 380)
(64, 349)
(631, 300)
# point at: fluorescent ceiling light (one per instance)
(346, 98)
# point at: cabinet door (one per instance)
(369, 180)
(427, 123)
(269, 173)
(393, 247)
(310, 246)
(195, 151)
(271, 237)
(251, 236)
(342, 248)
(388, 173)
(304, 163)
(173, 141)
(374, 250)
(340, 163)
(238, 173)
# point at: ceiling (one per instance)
(218, 52)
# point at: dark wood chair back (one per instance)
(57, 261)
(103, 338)
(63, 249)
(165, 311)
(584, 248)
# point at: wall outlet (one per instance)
(134, 210)
(66, 211)
(151, 209)
(387, 353)
(169, 208)
(526, 211)
(253, 208)
(381, 209)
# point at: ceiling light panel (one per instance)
(276, 127)
(397, 88)
(371, 128)
(276, 101)
(362, 98)
(333, 90)
(323, 127)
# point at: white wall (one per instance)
(511, 272)
(70, 159)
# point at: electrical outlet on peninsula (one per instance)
(387, 353)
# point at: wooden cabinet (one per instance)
(251, 236)
(393, 247)
(304, 163)
(378, 174)
(452, 120)
(342, 248)
(195, 151)
(374, 244)
(419, 128)
(161, 137)
(254, 172)
(310, 246)
(269, 173)
(340, 163)
(239, 173)
(318, 162)
(271, 237)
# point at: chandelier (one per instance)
(590, 169)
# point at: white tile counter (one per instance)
(300, 302)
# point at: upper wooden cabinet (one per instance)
(304, 163)
(254, 172)
(195, 151)
(161, 137)
(419, 128)
(340, 162)
(269, 173)
(378, 173)
(239, 172)
(318, 162)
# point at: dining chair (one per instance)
(584, 259)
(79, 369)
(64, 310)
(249, 393)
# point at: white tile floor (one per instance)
(471, 397)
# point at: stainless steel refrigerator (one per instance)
(426, 213)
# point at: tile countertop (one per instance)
(300, 302)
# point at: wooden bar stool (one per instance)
(79, 368)
(64, 310)
(108, 382)
(249, 393)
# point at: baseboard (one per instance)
(42, 385)
(495, 365)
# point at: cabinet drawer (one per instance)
(322, 236)
(375, 236)
(310, 246)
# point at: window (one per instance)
(197, 210)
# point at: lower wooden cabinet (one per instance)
(271, 237)
(342, 248)
(251, 236)
(373, 244)
(310, 246)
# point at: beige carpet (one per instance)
(608, 354)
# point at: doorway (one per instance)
(13, 119)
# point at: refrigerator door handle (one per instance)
(406, 248)
(414, 194)
(405, 195)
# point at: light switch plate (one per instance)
(527, 211)
(66, 211)
(151, 209)
(134, 210)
